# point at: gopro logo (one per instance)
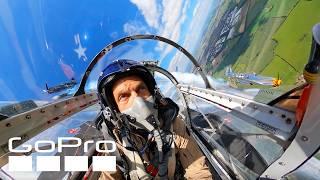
(71, 163)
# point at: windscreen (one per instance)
(244, 45)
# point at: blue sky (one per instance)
(52, 41)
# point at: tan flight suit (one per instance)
(188, 152)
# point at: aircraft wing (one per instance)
(262, 81)
(78, 124)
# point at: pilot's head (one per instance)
(126, 89)
(122, 81)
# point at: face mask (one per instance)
(144, 114)
(146, 117)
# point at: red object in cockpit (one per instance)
(73, 130)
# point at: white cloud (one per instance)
(165, 16)
(171, 21)
(6, 91)
(195, 28)
(174, 15)
(92, 85)
(134, 27)
(27, 74)
(114, 35)
(150, 11)
(137, 52)
(195, 10)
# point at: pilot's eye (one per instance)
(142, 89)
(123, 97)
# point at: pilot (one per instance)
(152, 139)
